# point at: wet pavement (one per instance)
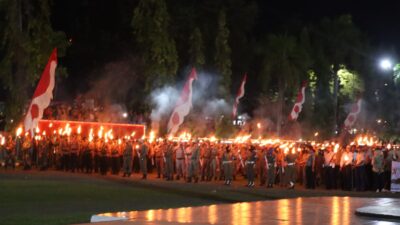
(314, 210)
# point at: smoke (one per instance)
(163, 101)
(205, 105)
(111, 89)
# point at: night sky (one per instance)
(105, 35)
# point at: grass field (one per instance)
(53, 197)
(58, 198)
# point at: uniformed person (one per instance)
(127, 159)
(103, 158)
(114, 157)
(310, 169)
(180, 161)
(378, 169)
(346, 167)
(250, 164)
(159, 158)
(290, 169)
(74, 153)
(227, 162)
(271, 158)
(169, 162)
(142, 154)
(214, 163)
(194, 163)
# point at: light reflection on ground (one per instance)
(317, 210)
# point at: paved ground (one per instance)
(316, 210)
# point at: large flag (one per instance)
(298, 106)
(353, 115)
(239, 95)
(43, 94)
(183, 105)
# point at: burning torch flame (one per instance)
(19, 131)
(336, 148)
(3, 140)
(79, 129)
(91, 135)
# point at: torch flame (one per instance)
(3, 140)
(336, 148)
(19, 131)
(79, 129)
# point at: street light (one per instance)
(386, 64)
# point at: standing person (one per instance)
(387, 174)
(346, 167)
(180, 161)
(74, 154)
(329, 168)
(26, 148)
(194, 163)
(212, 174)
(127, 159)
(250, 164)
(188, 160)
(169, 162)
(290, 169)
(115, 158)
(227, 162)
(319, 167)
(142, 154)
(206, 158)
(65, 153)
(359, 169)
(271, 158)
(263, 168)
(87, 155)
(280, 162)
(96, 155)
(310, 169)
(159, 157)
(378, 169)
(103, 158)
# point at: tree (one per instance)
(196, 51)
(341, 41)
(151, 29)
(286, 63)
(27, 41)
(222, 58)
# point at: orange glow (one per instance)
(336, 148)
(79, 130)
(19, 131)
(3, 140)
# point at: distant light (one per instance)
(125, 115)
(386, 64)
(379, 121)
(386, 84)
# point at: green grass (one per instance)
(66, 199)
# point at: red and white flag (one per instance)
(298, 106)
(239, 95)
(353, 115)
(183, 105)
(43, 94)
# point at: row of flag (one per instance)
(44, 93)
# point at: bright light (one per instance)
(386, 64)
(125, 115)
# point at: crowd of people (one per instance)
(351, 167)
(89, 110)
